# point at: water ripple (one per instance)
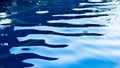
(55, 34)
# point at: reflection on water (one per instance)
(53, 34)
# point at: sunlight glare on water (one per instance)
(95, 0)
(93, 46)
(103, 50)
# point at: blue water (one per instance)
(59, 34)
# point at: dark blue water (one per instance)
(59, 34)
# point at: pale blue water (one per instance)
(63, 34)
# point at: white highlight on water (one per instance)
(95, 20)
(95, 0)
(42, 12)
(107, 3)
(5, 21)
(3, 15)
(63, 30)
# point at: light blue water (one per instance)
(83, 51)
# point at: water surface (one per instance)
(59, 34)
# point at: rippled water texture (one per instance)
(60, 34)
